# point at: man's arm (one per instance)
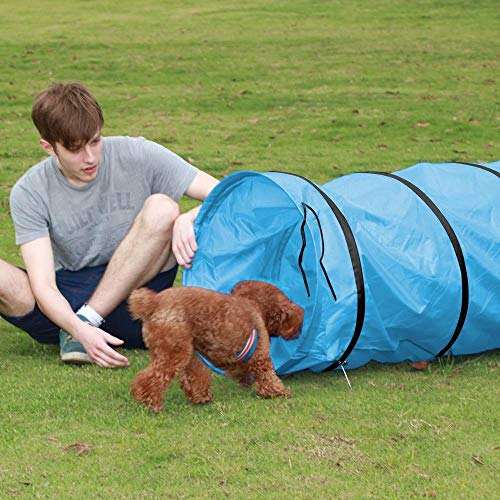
(201, 186)
(39, 262)
(183, 239)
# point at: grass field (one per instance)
(320, 88)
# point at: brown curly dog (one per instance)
(180, 322)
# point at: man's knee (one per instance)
(16, 296)
(159, 213)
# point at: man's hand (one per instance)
(183, 239)
(95, 341)
(39, 260)
(184, 244)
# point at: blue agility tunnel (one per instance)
(388, 267)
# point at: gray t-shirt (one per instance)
(86, 223)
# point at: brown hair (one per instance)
(67, 113)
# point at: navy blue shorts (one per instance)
(77, 287)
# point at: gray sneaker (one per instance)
(71, 350)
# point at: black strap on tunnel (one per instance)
(482, 167)
(301, 254)
(356, 267)
(456, 247)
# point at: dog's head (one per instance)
(283, 317)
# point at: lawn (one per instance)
(319, 88)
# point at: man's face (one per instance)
(81, 166)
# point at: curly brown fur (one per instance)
(179, 322)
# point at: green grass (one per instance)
(321, 88)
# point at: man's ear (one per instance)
(46, 146)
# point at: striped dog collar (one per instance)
(247, 351)
(244, 355)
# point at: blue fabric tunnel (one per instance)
(388, 267)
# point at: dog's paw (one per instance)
(420, 365)
(274, 392)
(156, 408)
(287, 393)
(201, 399)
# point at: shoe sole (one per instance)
(76, 358)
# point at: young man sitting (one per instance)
(95, 220)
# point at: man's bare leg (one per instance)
(143, 253)
(16, 297)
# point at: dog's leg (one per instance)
(240, 373)
(267, 383)
(150, 384)
(196, 381)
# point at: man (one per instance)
(95, 220)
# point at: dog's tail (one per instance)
(142, 303)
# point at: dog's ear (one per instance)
(291, 321)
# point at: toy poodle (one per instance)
(188, 328)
